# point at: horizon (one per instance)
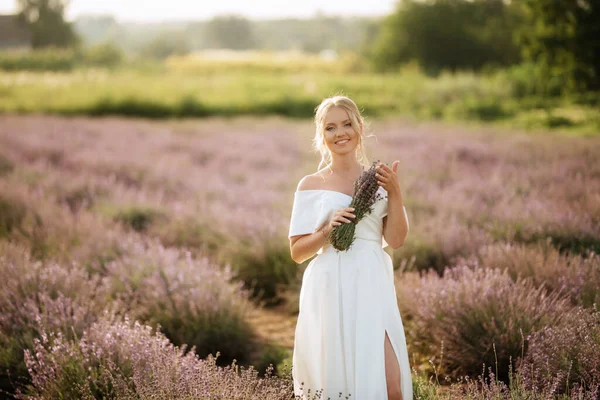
(180, 10)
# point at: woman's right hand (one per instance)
(343, 215)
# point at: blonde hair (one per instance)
(356, 119)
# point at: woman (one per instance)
(349, 334)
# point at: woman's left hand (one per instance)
(387, 177)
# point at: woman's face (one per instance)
(340, 137)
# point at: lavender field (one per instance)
(132, 251)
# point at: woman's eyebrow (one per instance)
(329, 123)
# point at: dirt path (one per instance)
(273, 327)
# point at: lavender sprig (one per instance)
(365, 195)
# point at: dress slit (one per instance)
(385, 333)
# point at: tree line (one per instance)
(558, 39)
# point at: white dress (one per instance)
(347, 302)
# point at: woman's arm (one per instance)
(395, 224)
(303, 247)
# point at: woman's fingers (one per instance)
(342, 219)
(384, 168)
(341, 214)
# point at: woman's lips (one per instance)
(342, 142)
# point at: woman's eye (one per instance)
(348, 124)
(329, 128)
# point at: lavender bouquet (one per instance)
(365, 195)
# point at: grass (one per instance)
(187, 87)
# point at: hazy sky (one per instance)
(156, 10)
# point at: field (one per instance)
(110, 227)
(237, 84)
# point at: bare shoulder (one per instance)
(311, 182)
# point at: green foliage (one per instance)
(229, 32)
(265, 269)
(170, 92)
(563, 38)
(138, 218)
(427, 256)
(479, 316)
(227, 333)
(166, 44)
(190, 106)
(275, 355)
(190, 234)
(39, 60)
(12, 363)
(472, 108)
(54, 59)
(447, 34)
(47, 24)
(564, 240)
(128, 107)
(12, 214)
(6, 166)
(528, 79)
(102, 55)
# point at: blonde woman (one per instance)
(349, 334)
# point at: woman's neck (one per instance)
(345, 164)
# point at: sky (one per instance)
(159, 10)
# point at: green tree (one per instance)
(447, 34)
(166, 44)
(563, 38)
(230, 32)
(46, 21)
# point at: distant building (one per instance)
(14, 35)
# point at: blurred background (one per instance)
(149, 154)
(532, 64)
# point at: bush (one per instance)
(193, 300)
(102, 55)
(487, 386)
(425, 256)
(526, 79)
(78, 197)
(472, 108)
(165, 45)
(469, 311)
(12, 213)
(191, 234)
(574, 275)
(431, 248)
(275, 356)
(265, 268)
(138, 218)
(39, 60)
(36, 297)
(117, 358)
(6, 165)
(129, 107)
(566, 357)
(567, 239)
